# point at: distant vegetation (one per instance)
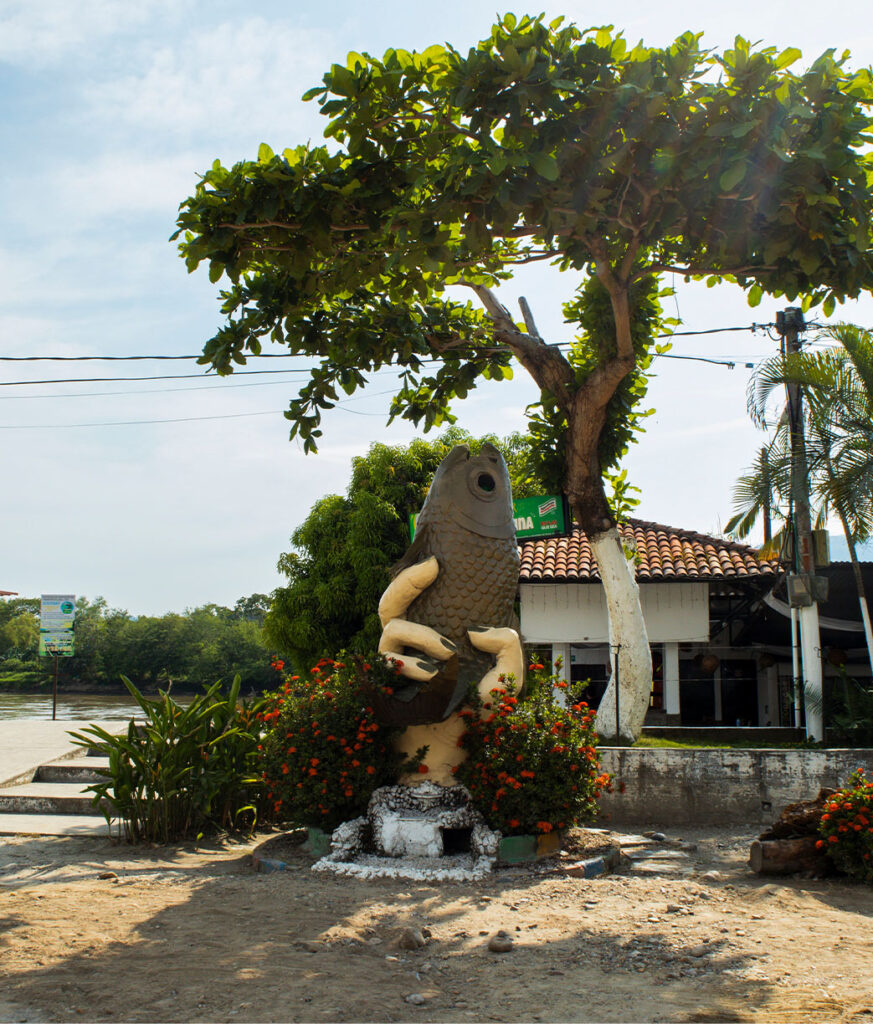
(199, 647)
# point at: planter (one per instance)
(317, 842)
(522, 849)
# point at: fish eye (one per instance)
(486, 482)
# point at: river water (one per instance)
(76, 706)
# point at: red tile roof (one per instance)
(663, 554)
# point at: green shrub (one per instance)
(325, 751)
(184, 770)
(532, 764)
(847, 828)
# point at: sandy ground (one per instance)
(198, 935)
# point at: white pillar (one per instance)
(562, 651)
(810, 646)
(670, 656)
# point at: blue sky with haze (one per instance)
(110, 108)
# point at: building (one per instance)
(717, 617)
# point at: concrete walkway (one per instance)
(25, 745)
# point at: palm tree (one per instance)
(837, 388)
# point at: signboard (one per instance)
(534, 517)
(538, 517)
(56, 615)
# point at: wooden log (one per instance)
(787, 856)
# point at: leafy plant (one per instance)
(846, 828)
(847, 707)
(324, 750)
(183, 770)
(532, 764)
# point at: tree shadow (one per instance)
(218, 941)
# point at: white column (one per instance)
(810, 646)
(562, 651)
(671, 678)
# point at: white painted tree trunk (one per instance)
(627, 628)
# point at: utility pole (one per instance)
(802, 585)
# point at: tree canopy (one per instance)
(446, 170)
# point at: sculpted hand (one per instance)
(505, 644)
(398, 632)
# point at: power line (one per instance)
(108, 380)
(292, 355)
(177, 419)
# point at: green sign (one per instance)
(534, 517)
(56, 615)
(538, 517)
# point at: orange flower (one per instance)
(544, 826)
(423, 769)
(371, 770)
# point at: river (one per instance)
(75, 706)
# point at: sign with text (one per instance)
(57, 613)
(534, 517)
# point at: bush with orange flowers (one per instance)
(324, 752)
(532, 764)
(847, 828)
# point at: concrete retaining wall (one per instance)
(664, 786)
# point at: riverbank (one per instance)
(107, 932)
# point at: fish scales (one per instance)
(476, 586)
(467, 525)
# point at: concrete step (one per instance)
(79, 769)
(55, 825)
(46, 798)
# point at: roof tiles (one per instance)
(663, 553)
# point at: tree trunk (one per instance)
(627, 629)
(628, 640)
(787, 856)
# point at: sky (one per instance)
(165, 495)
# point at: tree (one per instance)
(837, 388)
(347, 545)
(544, 142)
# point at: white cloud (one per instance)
(234, 82)
(35, 33)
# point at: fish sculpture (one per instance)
(467, 524)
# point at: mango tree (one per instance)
(542, 143)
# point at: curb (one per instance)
(594, 866)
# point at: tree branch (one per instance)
(546, 364)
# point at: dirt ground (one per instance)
(91, 930)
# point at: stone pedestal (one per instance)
(425, 832)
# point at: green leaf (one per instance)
(787, 57)
(497, 163)
(756, 293)
(265, 154)
(733, 176)
(545, 165)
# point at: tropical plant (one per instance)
(544, 142)
(324, 750)
(183, 770)
(846, 828)
(836, 385)
(532, 764)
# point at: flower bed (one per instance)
(847, 828)
(532, 764)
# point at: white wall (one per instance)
(576, 612)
